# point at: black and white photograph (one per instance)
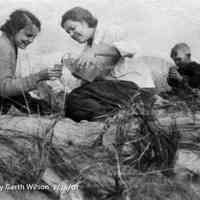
(99, 100)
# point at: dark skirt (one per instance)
(94, 100)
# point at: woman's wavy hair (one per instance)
(18, 20)
(79, 14)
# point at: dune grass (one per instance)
(137, 164)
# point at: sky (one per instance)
(155, 25)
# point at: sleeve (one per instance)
(192, 69)
(139, 73)
(9, 85)
(120, 39)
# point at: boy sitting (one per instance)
(186, 74)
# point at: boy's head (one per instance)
(181, 54)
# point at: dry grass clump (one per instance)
(24, 157)
(102, 176)
(105, 179)
(155, 186)
(140, 147)
(140, 140)
(185, 100)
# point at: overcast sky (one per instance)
(155, 25)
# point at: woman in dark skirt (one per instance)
(99, 99)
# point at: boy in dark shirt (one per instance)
(186, 74)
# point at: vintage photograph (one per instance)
(99, 100)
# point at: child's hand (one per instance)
(174, 74)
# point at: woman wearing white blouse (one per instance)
(84, 28)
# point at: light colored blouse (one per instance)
(124, 69)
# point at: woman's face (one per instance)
(25, 36)
(79, 31)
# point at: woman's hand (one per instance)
(86, 59)
(51, 73)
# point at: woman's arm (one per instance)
(118, 37)
(9, 85)
(12, 86)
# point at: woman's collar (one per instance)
(96, 34)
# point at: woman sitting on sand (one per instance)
(101, 61)
(101, 40)
(19, 31)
